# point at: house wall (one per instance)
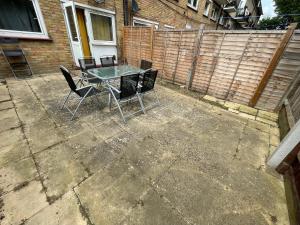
(46, 55)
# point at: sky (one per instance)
(268, 8)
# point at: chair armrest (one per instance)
(115, 89)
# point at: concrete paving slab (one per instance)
(42, 134)
(4, 95)
(117, 190)
(64, 211)
(14, 152)
(59, 170)
(6, 105)
(152, 209)
(8, 119)
(16, 175)
(10, 137)
(18, 206)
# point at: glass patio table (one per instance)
(107, 74)
(113, 72)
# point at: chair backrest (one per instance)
(69, 79)
(149, 79)
(108, 61)
(87, 63)
(145, 65)
(14, 55)
(129, 85)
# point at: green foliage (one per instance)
(274, 23)
(283, 7)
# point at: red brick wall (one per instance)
(46, 56)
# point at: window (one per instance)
(143, 22)
(193, 4)
(222, 19)
(102, 27)
(72, 26)
(21, 18)
(214, 12)
(206, 8)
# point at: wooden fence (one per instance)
(226, 64)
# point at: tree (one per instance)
(274, 23)
(288, 9)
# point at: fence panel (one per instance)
(229, 64)
(285, 72)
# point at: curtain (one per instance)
(18, 15)
(102, 27)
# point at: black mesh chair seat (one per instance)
(147, 86)
(82, 93)
(128, 90)
(87, 91)
(17, 62)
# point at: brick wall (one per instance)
(46, 55)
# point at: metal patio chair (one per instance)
(18, 62)
(86, 63)
(81, 93)
(108, 61)
(147, 86)
(145, 65)
(127, 92)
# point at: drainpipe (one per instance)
(125, 12)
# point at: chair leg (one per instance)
(81, 100)
(157, 99)
(118, 105)
(75, 111)
(141, 103)
(66, 99)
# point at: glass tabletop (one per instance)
(112, 72)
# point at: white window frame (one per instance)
(169, 27)
(206, 11)
(113, 23)
(145, 22)
(27, 34)
(191, 5)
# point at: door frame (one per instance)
(87, 10)
(71, 4)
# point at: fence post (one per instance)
(165, 54)
(237, 67)
(272, 65)
(195, 56)
(215, 64)
(178, 52)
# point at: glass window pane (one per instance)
(18, 15)
(70, 16)
(102, 27)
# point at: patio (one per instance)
(184, 162)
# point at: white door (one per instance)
(73, 31)
(101, 29)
